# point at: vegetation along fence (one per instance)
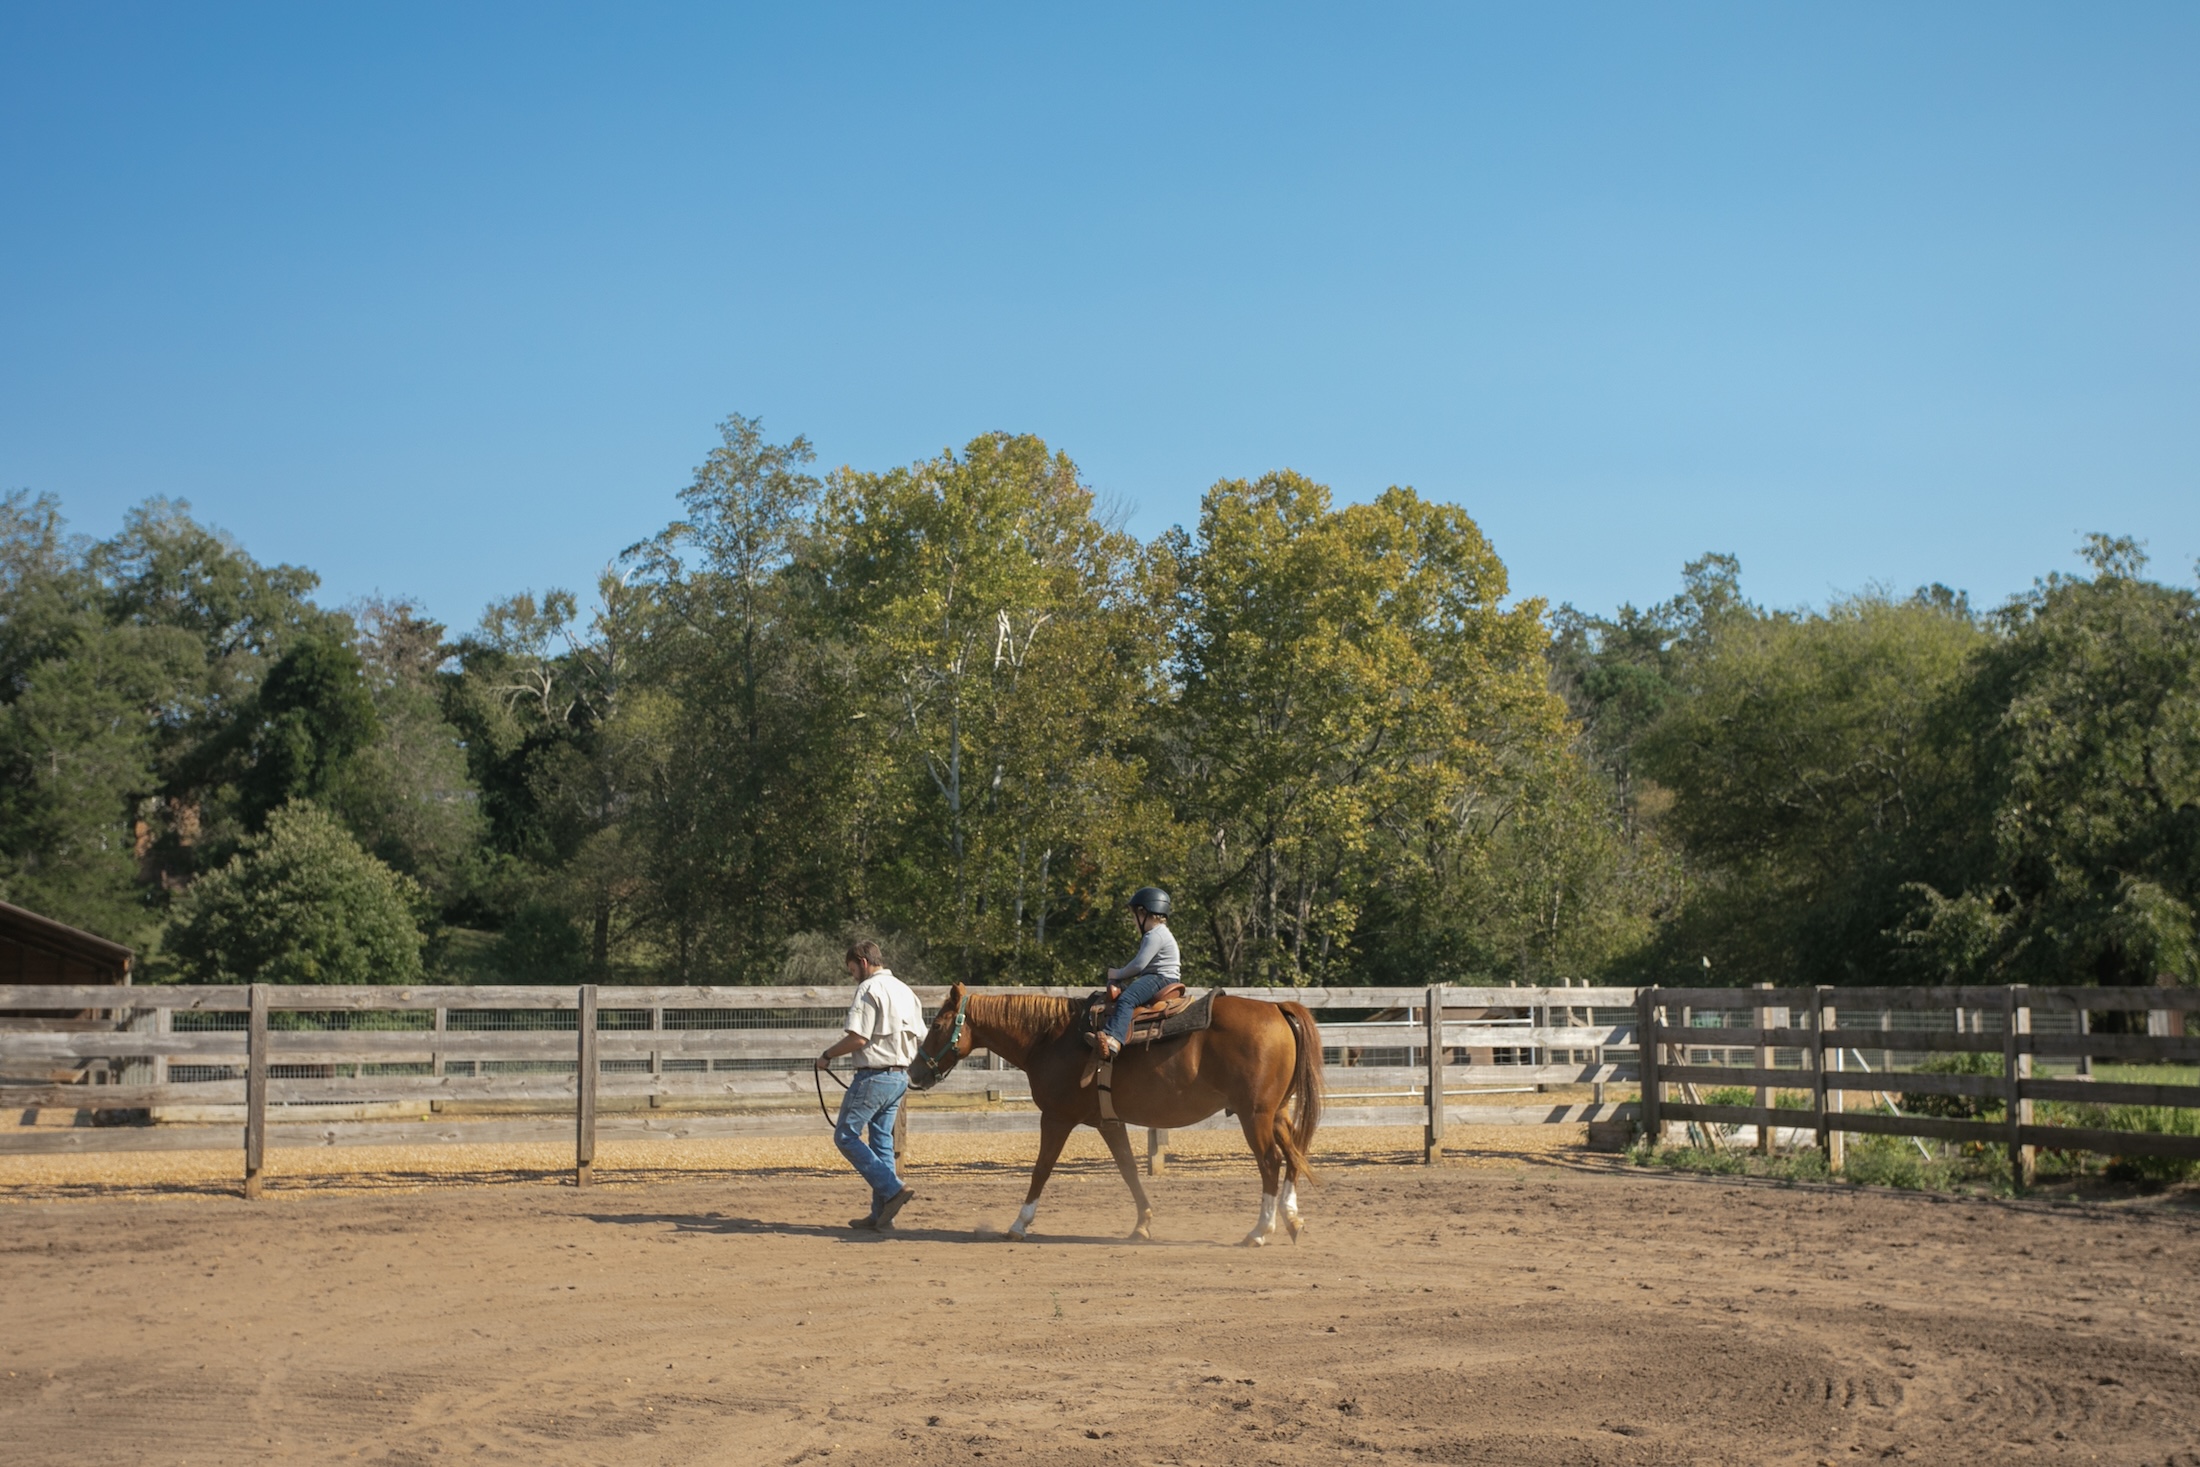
(359, 1065)
(1970, 1065)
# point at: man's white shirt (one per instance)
(886, 1013)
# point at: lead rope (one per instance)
(818, 1075)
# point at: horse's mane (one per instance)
(1031, 1016)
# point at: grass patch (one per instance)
(1870, 1161)
(1797, 1166)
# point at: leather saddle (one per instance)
(1175, 1010)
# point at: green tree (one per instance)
(2075, 854)
(1806, 784)
(405, 791)
(1001, 645)
(80, 701)
(727, 765)
(1355, 697)
(305, 722)
(299, 903)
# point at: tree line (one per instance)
(955, 706)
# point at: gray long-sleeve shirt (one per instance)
(1156, 954)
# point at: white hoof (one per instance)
(1022, 1225)
(1266, 1227)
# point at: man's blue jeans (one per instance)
(872, 1101)
(1139, 990)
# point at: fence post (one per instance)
(255, 1090)
(1157, 1151)
(901, 1133)
(1764, 1092)
(1432, 1148)
(2016, 1063)
(584, 1088)
(1596, 1055)
(164, 1024)
(657, 1056)
(1823, 1099)
(1646, 1063)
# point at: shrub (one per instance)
(1955, 1107)
(299, 903)
(2158, 1120)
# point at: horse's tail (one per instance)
(1297, 1131)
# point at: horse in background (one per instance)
(1261, 1061)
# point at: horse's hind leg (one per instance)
(1119, 1146)
(1053, 1136)
(1260, 1135)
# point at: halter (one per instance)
(936, 1066)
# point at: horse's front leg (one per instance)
(1119, 1145)
(1053, 1136)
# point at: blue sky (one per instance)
(445, 300)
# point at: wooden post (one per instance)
(1596, 1055)
(255, 1091)
(1157, 1151)
(584, 1088)
(164, 1024)
(1432, 1147)
(901, 1133)
(1764, 1092)
(656, 1056)
(1825, 1055)
(2016, 1063)
(1646, 1063)
(2085, 1026)
(442, 1026)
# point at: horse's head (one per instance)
(945, 1043)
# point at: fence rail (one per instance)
(207, 1053)
(1688, 1043)
(1396, 1056)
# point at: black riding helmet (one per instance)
(1150, 899)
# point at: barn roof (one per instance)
(25, 929)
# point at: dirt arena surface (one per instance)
(1528, 1304)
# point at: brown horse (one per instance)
(1253, 1060)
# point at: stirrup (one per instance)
(1105, 1043)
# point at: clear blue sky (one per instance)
(445, 299)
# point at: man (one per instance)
(885, 1025)
(1152, 968)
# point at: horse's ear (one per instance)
(954, 993)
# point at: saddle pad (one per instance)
(1180, 1015)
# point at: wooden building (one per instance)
(35, 949)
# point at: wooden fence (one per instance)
(621, 1061)
(1802, 1039)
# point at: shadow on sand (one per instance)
(720, 1225)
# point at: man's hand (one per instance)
(847, 1043)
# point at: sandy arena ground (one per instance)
(703, 1304)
